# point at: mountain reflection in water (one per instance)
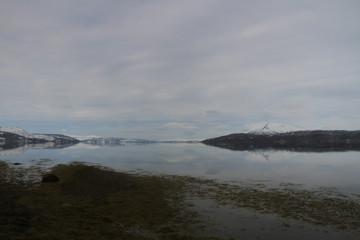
(311, 169)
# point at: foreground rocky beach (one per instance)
(94, 202)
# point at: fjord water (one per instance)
(310, 170)
(268, 176)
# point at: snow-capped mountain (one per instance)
(82, 137)
(273, 128)
(115, 141)
(13, 137)
(24, 133)
(284, 138)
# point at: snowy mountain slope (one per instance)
(115, 141)
(24, 133)
(82, 138)
(273, 128)
(305, 140)
(58, 136)
(11, 137)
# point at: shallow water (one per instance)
(336, 170)
(263, 175)
(249, 224)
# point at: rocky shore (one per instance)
(93, 202)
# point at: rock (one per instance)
(49, 178)
(66, 205)
(21, 222)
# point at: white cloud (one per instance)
(178, 125)
(169, 62)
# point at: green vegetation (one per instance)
(93, 202)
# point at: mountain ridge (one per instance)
(115, 141)
(273, 128)
(13, 137)
(302, 140)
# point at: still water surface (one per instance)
(339, 170)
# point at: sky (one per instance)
(163, 69)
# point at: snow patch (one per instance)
(115, 141)
(274, 128)
(24, 133)
(82, 138)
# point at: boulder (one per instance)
(49, 178)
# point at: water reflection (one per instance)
(15, 149)
(313, 169)
(267, 155)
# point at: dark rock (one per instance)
(49, 178)
(22, 222)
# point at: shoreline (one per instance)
(97, 201)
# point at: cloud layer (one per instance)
(179, 69)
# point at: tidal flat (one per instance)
(96, 202)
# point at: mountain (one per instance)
(25, 134)
(274, 128)
(311, 140)
(13, 137)
(115, 141)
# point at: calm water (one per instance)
(338, 170)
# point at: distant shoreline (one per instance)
(312, 140)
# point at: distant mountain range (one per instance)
(12, 137)
(115, 141)
(270, 136)
(308, 140)
(112, 141)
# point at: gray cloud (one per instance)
(217, 66)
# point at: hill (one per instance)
(310, 140)
(11, 137)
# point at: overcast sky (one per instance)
(163, 69)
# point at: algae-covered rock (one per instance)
(49, 178)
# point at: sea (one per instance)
(327, 172)
(336, 170)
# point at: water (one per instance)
(338, 170)
(332, 171)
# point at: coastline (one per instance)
(95, 202)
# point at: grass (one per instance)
(93, 202)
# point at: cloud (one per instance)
(178, 125)
(180, 63)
